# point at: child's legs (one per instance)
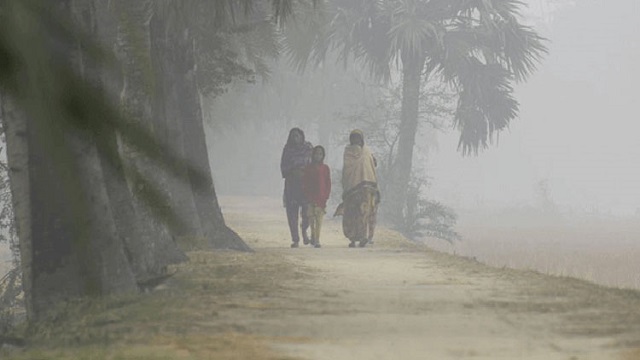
(317, 219)
(312, 221)
(316, 214)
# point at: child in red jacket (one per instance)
(316, 184)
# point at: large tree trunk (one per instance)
(168, 122)
(107, 262)
(195, 150)
(149, 245)
(181, 94)
(76, 249)
(400, 174)
(69, 243)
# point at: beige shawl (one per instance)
(358, 166)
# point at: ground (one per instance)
(394, 300)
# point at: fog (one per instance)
(578, 126)
(574, 142)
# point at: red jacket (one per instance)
(316, 184)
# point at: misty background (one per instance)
(578, 126)
(573, 147)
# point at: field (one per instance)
(597, 249)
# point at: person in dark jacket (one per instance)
(316, 185)
(296, 155)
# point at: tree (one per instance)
(479, 47)
(68, 240)
(148, 243)
(60, 126)
(178, 112)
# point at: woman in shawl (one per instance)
(296, 155)
(360, 191)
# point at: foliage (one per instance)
(240, 41)
(479, 47)
(235, 48)
(381, 121)
(425, 217)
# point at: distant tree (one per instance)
(544, 198)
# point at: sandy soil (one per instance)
(397, 300)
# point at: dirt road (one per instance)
(397, 300)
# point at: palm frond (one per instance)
(410, 33)
(507, 8)
(260, 44)
(485, 106)
(305, 38)
(361, 31)
(283, 9)
(521, 48)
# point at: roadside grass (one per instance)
(605, 255)
(185, 318)
(225, 346)
(631, 355)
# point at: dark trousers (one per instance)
(292, 217)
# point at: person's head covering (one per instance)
(293, 131)
(356, 137)
(295, 155)
(358, 163)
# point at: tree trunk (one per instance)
(396, 196)
(168, 123)
(69, 244)
(182, 94)
(70, 206)
(107, 261)
(149, 245)
(15, 128)
(68, 241)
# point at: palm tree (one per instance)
(479, 47)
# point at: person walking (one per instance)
(316, 185)
(296, 155)
(360, 193)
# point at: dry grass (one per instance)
(226, 346)
(605, 253)
(187, 319)
(631, 355)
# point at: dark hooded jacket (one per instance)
(295, 157)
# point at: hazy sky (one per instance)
(578, 128)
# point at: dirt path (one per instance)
(396, 300)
